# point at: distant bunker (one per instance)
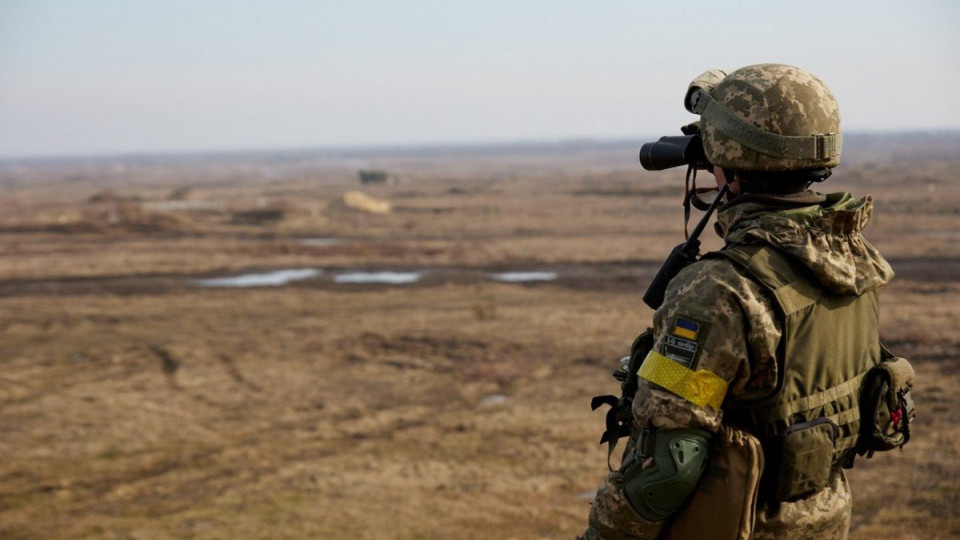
(375, 176)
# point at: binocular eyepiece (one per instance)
(674, 151)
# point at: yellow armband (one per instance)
(699, 387)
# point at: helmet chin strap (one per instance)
(692, 196)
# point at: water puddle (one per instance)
(390, 278)
(495, 399)
(382, 277)
(522, 277)
(269, 279)
(319, 242)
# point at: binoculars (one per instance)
(674, 151)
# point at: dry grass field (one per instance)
(137, 403)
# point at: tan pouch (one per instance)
(886, 406)
(725, 503)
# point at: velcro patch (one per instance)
(683, 339)
(679, 350)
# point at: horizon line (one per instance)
(412, 147)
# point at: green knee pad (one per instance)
(658, 492)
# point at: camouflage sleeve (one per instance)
(717, 320)
(713, 319)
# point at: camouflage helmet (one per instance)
(766, 117)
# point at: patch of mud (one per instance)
(936, 269)
(258, 217)
(378, 345)
(626, 276)
(473, 360)
(425, 210)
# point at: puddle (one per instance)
(392, 278)
(520, 277)
(319, 242)
(269, 279)
(495, 399)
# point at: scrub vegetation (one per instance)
(137, 404)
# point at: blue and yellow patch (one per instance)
(686, 328)
(682, 342)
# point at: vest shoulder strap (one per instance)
(793, 290)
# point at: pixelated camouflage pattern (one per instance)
(827, 238)
(780, 99)
(664, 410)
(709, 290)
(823, 516)
(740, 345)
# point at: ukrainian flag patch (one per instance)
(686, 328)
(681, 342)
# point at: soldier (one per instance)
(770, 337)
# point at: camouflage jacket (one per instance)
(737, 334)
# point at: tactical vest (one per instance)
(829, 343)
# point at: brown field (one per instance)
(136, 404)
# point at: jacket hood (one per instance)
(825, 237)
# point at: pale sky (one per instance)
(88, 77)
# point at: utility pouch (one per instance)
(886, 406)
(806, 452)
(724, 505)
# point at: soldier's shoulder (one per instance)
(717, 279)
(712, 272)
